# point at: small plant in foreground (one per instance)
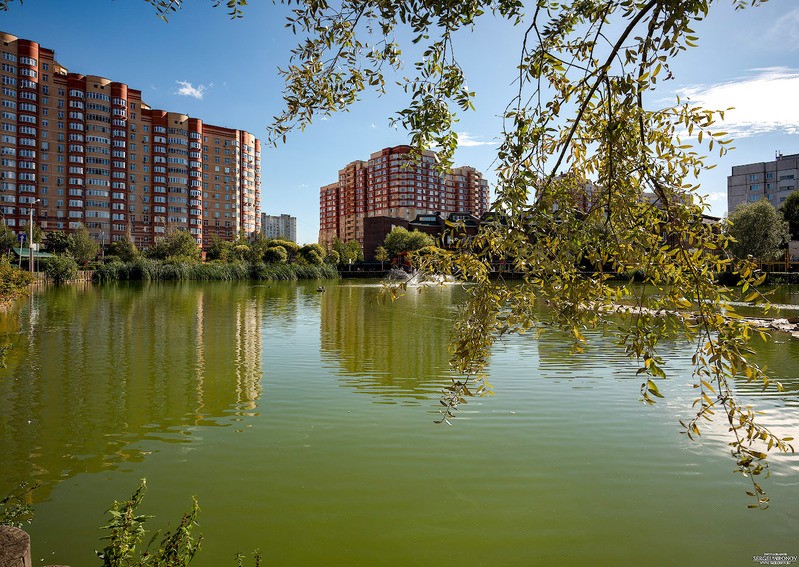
(15, 508)
(176, 548)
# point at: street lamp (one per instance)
(30, 237)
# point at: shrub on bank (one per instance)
(146, 269)
(61, 268)
(13, 282)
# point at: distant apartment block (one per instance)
(770, 180)
(283, 226)
(394, 183)
(81, 149)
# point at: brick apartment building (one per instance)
(395, 184)
(81, 149)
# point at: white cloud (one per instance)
(717, 196)
(786, 28)
(762, 103)
(465, 140)
(187, 89)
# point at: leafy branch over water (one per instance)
(594, 177)
(584, 108)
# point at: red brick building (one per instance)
(395, 184)
(85, 150)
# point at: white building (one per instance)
(770, 180)
(283, 226)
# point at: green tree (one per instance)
(348, 252)
(82, 246)
(258, 248)
(275, 255)
(291, 248)
(381, 255)
(124, 249)
(332, 258)
(219, 249)
(178, 245)
(790, 212)
(241, 252)
(8, 239)
(758, 230)
(57, 242)
(61, 268)
(38, 234)
(13, 282)
(402, 241)
(312, 254)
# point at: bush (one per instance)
(275, 255)
(177, 244)
(332, 258)
(113, 272)
(13, 282)
(125, 249)
(61, 268)
(153, 270)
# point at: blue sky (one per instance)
(225, 72)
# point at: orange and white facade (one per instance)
(394, 183)
(85, 150)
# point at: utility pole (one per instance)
(30, 237)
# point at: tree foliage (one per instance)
(61, 268)
(57, 242)
(312, 254)
(332, 258)
(291, 248)
(218, 250)
(381, 255)
(348, 252)
(13, 282)
(124, 249)
(790, 212)
(8, 239)
(82, 246)
(582, 111)
(402, 241)
(275, 255)
(758, 230)
(165, 8)
(178, 244)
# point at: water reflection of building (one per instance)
(393, 349)
(94, 372)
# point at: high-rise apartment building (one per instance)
(81, 149)
(770, 180)
(283, 226)
(395, 183)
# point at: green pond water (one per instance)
(303, 423)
